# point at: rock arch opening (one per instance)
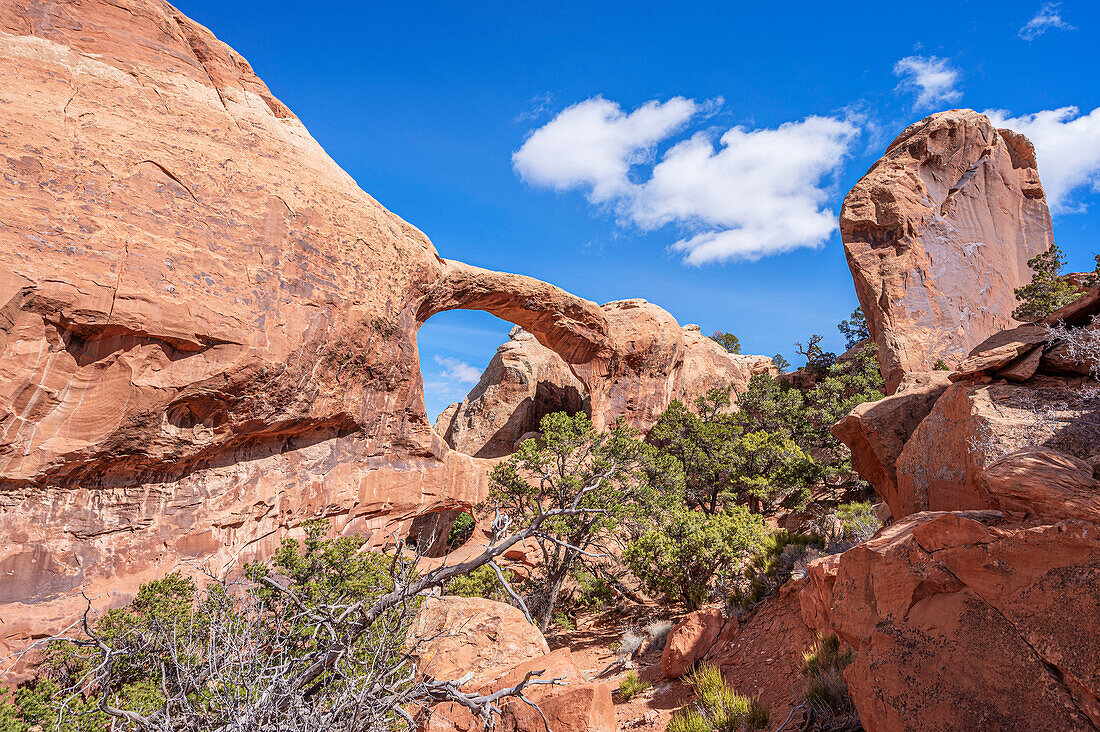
(538, 367)
(488, 383)
(439, 533)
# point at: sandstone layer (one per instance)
(938, 234)
(207, 329)
(522, 383)
(963, 621)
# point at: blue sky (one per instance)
(693, 156)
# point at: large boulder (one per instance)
(938, 234)
(493, 647)
(961, 621)
(207, 329)
(1041, 483)
(876, 432)
(690, 640)
(453, 636)
(974, 424)
(566, 700)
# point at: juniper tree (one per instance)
(1047, 291)
(591, 482)
(728, 341)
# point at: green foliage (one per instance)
(859, 520)
(854, 329)
(632, 685)
(482, 582)
(688, 720)
(728, 341)
(680, 558)
(825, 691)
(724, 461)
(940, 365)
(461, 530)
(34, 707)
(770, 567)
(781, 363)
(807, 416)
(817, 360)
(593, 593)
(562, 621)
(172, 631)
(323, 570)
(1047, 291)
(719, 706)
(607, 475)
(10, 720)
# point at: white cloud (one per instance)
(537, 106)
(457, 371)
(592, 143)
(931, 77)
(760, 192)
(1049, 16)
(1067, 146)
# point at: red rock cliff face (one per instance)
(207, 330)
(938, 234)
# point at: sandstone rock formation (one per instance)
(963, 622)
(689, 640)
(760, 653)
(927, 446)
(938, 234)
(652, 361)
(976, 609)
(455, 636)
(207, 329)
(876, 432)
(571, 705)
(523, 382)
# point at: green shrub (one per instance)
(632, 686)
(688, 720)
(593, 593)
(572, 466)
(718, 706)
(680, 558)
(859, 520)
(940, 365)
(825, 692)
(461, 531)
(562, 621)
(771, 567)
(482, 582)
(1047, 291)
(205, 653)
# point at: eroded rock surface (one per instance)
(876, 432)
(207, 329)
(493, 642)
(976, 609)
(454, 636)
(960, 622)
(938, 234)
